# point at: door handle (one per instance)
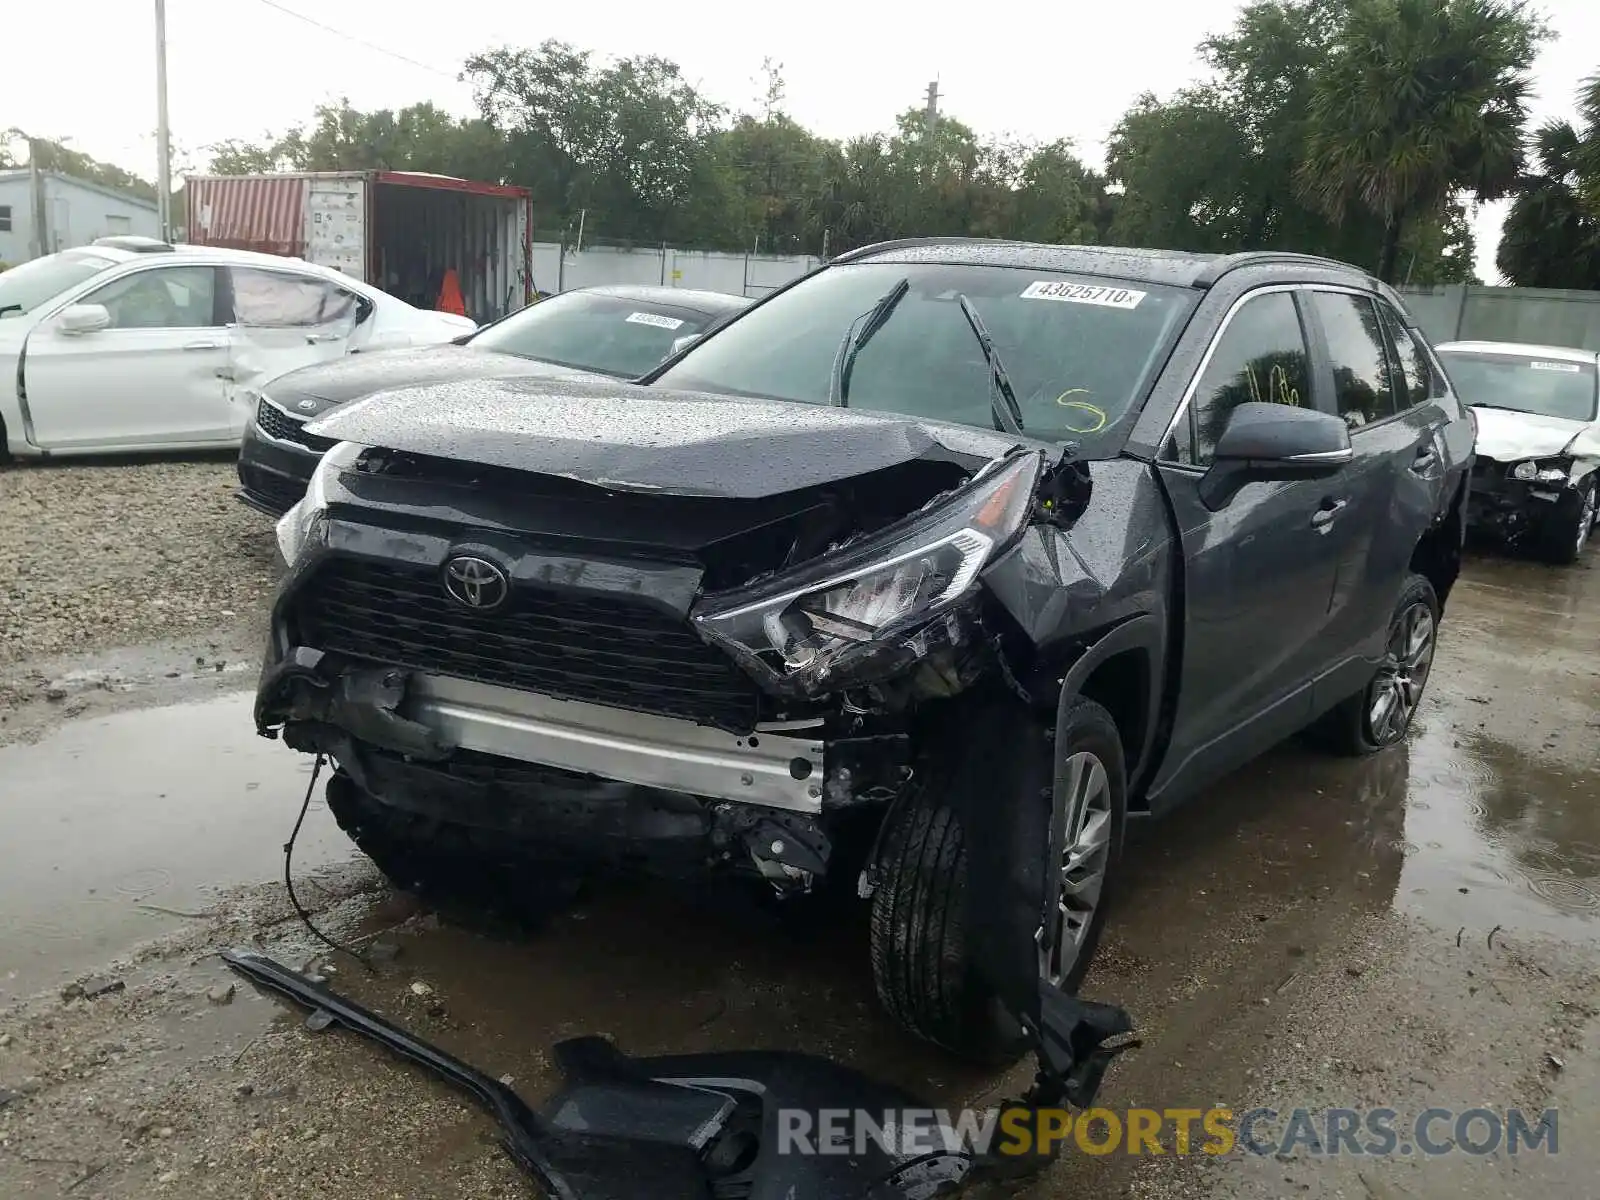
(203, 345)
(1426, 457)
(1322, 519)
(315, 339)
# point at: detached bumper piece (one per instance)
(689, 1127)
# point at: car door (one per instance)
(1382, 390)
(1258, 571)
(153, 376)
(284, 320)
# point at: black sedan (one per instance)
(620, 331)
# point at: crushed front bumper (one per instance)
(428, 717)
(601, 784)
(1504, 508)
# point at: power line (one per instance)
(350, 37)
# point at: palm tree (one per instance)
(1551, 236)
(1419, 100)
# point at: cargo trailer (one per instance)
(397, 230)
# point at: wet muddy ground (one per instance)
(1418, 929)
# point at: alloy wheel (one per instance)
(1586, 518)
(1081, 875)
(1396, 689)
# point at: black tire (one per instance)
(922, 960)
(5, 452)
(1348, 729)
(1565, 532)
(465, 873)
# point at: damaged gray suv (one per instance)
(921, 576)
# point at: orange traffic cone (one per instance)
(450, 300)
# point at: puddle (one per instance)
(159, 808)
(1500, 837)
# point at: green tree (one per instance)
(1551, 236)
(623, 140)
(1418, 101)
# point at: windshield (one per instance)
(591, 332)
(1079, 352)
(1546, 387)
(25, 288)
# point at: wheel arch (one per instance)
(1437, 554)
(1121, 671)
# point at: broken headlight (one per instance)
(873, 609)
(1541, 471)
(297, 526)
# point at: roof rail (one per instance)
(902, 243)
(1257, 258)
(135, 244)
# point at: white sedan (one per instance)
(134, 345)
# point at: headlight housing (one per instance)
(1541, 471)
(307, 520)
(868, 612)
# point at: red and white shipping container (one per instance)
(397, 230)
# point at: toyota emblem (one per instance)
(476, 583)
(307, 406)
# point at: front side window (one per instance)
(1259, 359)
(1355, 346)
(281, 300)
(1080, 351)
(24, 288)
(1524, 383)
(590, 331)
(161, 298)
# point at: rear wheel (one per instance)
(1566, 531)
(1000, 767)
(464, 872)
(1380, 714)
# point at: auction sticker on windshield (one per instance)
(656, 319)
(1565, 368)
(1082, 293)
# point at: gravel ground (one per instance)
(112, 554)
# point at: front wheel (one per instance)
(1566, 531)
(1380, 714)
(998, 768)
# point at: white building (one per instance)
(76, 212)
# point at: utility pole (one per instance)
(38, 235)
(931, 112)
(163, 149)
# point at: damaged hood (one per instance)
(626, 437)
(1508, 436)
(321, 386)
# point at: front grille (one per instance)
(602, 650)
(276, 423)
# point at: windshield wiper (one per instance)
(1001, 397)
(857, 336)
(5, 308)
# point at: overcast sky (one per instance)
(84, 70)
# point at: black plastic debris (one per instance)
(681, 1126)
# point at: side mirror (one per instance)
(84, 318)
(1265, 442)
